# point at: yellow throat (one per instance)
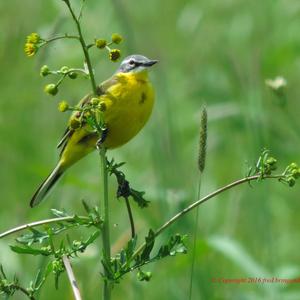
(129, 105)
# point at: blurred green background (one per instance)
(210, 51)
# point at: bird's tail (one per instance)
(46, 186)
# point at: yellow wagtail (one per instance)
(128, 97)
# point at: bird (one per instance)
(128, 97)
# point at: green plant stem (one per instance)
(130, 217)
(60, 37)
(25, 292)
(39, 223)
(104, 174)
(203, 200)
(105, 226)
(84, 48)
(195, 241)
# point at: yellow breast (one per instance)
(129, 105)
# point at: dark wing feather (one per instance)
(64, 138)
(101, 90)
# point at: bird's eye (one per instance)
(131, 62)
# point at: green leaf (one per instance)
(2, 272)
(48, 269)
(144, 276)
(123, 258)
(37, 279)
(150, 239)
(138, 197)
(92, 238)
(37, 236)
(108, 270)
(130, 247)
(86, 207)
(175, 246)
(95, 218)
(124, 189)
(59, 213)
(29, 250)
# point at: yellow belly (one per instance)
(129, 104)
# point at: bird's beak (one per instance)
(150, 63)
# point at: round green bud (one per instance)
(75, 123)
(271, 161)
(78, 246)
(116, 38)
(95, 101)
(46, 248)
(76, 243)
(100, 43)
(114, 54)
(44, 71)
(291, 181)
(102, 106)
(4, 283)
(57, 266)
(51, 89)
(296, 173)
(293, 166)
(144, 276)
(72, 75)
(63, 106)
(64, 69)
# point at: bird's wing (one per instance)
(68, 132)
(101, 90)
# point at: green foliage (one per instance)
(124, 188)
(129, 258)
(266, 164)
(45, 240)
(9, 287)
(144, 276)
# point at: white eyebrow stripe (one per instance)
(126, 61)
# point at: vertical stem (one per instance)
(194, 243)
(105, 226)
(130, 217)
(104, 174)
(84, 48)
(71, 277)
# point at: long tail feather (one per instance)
(46, 186)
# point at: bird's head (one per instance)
(135, 63)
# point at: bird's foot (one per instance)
(102, 138)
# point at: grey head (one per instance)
(135, 63)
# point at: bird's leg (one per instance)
(102, 138)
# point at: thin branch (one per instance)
(84, 48)
(104, 205)
(39, 223)
(60, 37)
(195, 241)
(71, 277)
(25, 292)
(204, 199)
(130, 217)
